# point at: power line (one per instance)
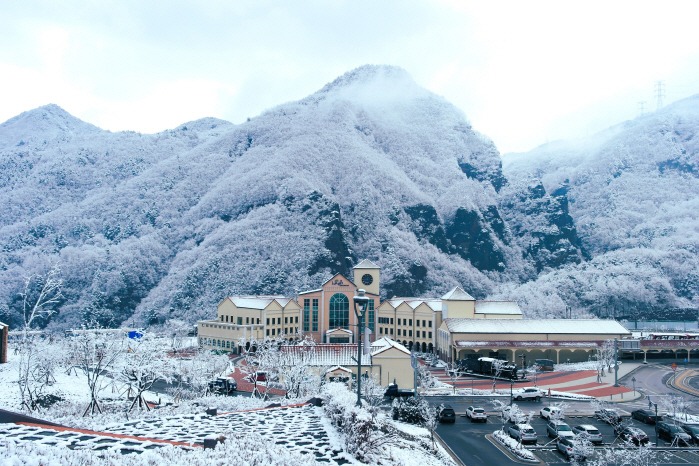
(659, 94)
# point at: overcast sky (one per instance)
(523, 72)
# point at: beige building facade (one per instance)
(524, 341)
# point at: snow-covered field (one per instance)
(254, 435)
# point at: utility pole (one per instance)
(659, 94)
(616, 362)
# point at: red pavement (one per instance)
(246, 386)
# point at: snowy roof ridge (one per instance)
(366, 264)
(536, 326)
(385, 343)
(458, 294)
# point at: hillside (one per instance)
(165, 225)
(632, 193)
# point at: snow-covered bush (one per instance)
(365, 433)
(514, 446)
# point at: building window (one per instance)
(410, 322)
(267, 321)
(247, 320)
(296, 319)
(315, 314)
(267, 332)
(423, 324)
(221, 318)
(306, 315)
(430, 323)
(286, 320)
(423, 334)
(410, 333)
(371, 316)
(339, 311)
(429, 334)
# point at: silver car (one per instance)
(589, 432)
(523, 432)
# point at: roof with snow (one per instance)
(327, 354)
(366, 264)
(434, 304)
(498, 307)
(533, 326)
(458, 294)
(385, 343)
(258, 302)
(3, 325)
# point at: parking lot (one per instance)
(468, 441)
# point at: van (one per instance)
(544, 364)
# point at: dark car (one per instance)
(693, 431)
(223, 386)
(610, 416)
(646, 416)
(633, 434)
(447, 414)
(672, 433)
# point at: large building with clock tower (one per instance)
(328, 312)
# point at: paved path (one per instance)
(583, 382)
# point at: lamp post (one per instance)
(360, 305)
(511, 384)
(633, 381)
(651, 404)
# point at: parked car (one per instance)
(693, 431)
(528, 393)
(633, 434)
(672, 433)
(523, 432)
(646, 416)
(476, 414)
(515, 416)
(551, 412)
(447, 414)
(608, 415)
(571, 448)
(556, 428)
(223, 386)
(589, 432)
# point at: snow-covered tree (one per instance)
(41, 296)
(94, 352)
(144, 361)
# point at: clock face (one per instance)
(367, 279)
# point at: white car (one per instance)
(551, 412)
(476, 414)
(528, 393)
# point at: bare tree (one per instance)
(144, 362)
(605, 357)
(39, 358)
(94, 353)
(40, 295)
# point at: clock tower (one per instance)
(367, 275)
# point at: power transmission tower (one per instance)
(659, 94)
(642, 107)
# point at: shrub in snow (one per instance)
(513, 445)
(365, 433)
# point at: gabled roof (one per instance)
(384, 344)
(537, 326)
(338, 275)
(498, 307)
(432, 303)
(339, 330)
(458, 294)
(3, 325)
(366, 264)
(258, 302)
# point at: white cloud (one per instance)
(522, 72)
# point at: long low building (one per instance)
(560, 340)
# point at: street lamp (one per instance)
(360, 306)
(633, 381)
(651, 404)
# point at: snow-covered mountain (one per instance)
(633, 193)
(151, 227)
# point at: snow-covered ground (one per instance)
(254, 435)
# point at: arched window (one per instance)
(339, 311)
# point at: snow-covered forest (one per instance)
(147, 228)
